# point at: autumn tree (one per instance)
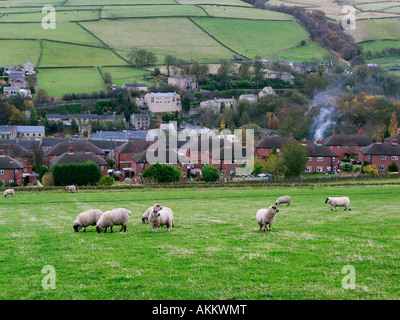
(393, 124)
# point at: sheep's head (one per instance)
(99, 228)
(77, 227)
(275, 208)
(327, 199)
(277, 204)
(144, 219)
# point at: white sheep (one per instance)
(338, 202)
(87, 218)
(71, 188)
(9, 192)
(115, 217)
(266, 217)
(161, 216)
(145, 216)
(284, 199)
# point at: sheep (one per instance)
(112, 218)
(145, 216)
(161, 216)
(87, 218)
(338, 202)
(8, 192)
(71, 188)
(266, 217)
(284, 199)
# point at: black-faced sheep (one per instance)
(338, 202)
(161, 216)
(266, 217)
(87, 218)
(115, 217)
(9, 192)
(284, 199)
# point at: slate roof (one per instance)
(314, 150)
(133, 146)
(396, 136)
(15, 151)
(386, 148)
(78, 157)
(347, 140)
(7, 162)
(272, 142)
(78, 146)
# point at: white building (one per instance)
(163, 102)
(265, 91)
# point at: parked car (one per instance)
(266, 175)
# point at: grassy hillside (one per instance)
(215, 251)
(102, 32)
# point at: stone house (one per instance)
(183, 82)
(140, 121)
(163, 102)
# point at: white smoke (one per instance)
(325, 120)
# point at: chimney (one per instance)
(265, 134)
(59, 139)
(394, 142)
(2, 153)
(379, 141)
(304, 142)
(333, 132)
(398, 130)
(360, 132)
(291, 135)
(319, 143)
(90, 140)
(70, 149)
(87, 149)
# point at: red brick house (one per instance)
(347, 145)
(72, 156)
(395, 136)
(10, 169)
(23, 156)
(264, 146)
(125, 152)
(78, 146)
(320, 158)
(381, 155)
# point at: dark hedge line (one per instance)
(77, 174)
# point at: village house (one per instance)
(16, 78)
(183, 82)
(395, 136)
(8, 132)
(125, 152)
(320, 158)
(216, 103)
(72, 156)
(78, 146)
(30, 132)
(140, 121)
(29, 67)
(347, 145)
(135, 87)
(10, 170)
(265, 91)
(163, 102)
(381, 154)
(13, 91)
(266, 145)
(252, 98)
(285, 76)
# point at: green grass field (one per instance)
(74, 80)
(19, 52)
(121, 75)
(215, 251)
(378, 46)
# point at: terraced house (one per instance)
(10, 170)
(382, 154)
(320, 158)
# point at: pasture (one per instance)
(215, 251)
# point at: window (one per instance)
(320, 169)
(369, 157)
(382, 158)
(309, 159)
(395, 157)
(308, 169)
(329, 169)
(25, 170)
(382, 168)
(346, 147)
(320, 159)
(1, 172)
(333, 158)
(10, 181)
(16, 171)
(338, 147)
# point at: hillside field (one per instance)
(215, 251)
(101, 33)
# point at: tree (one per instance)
(38, 159)
(74, 126)
(294, 157)
(393, 124)
(42, 96)
(186, 104)
(162, 173)
(393, 167)
(244, 71)
(274, 164)
(169, 61)
(141, 57)
(209, 173)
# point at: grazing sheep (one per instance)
(266, 217)
(8, 192)
(115, 217)
(338, 202)
(161, 216)
(87, 218)
(284, 199)
(71, 188)
(145, 216)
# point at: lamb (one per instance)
(71, 188)
(284, 199)
(161, 216)
(112, 218)
(145, 216)
(87, 218)
(266, 217)
(338, 202)
(9, 192)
